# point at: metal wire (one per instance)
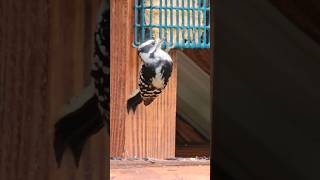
(198, 35)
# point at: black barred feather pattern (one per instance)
(154, 73)
(133, 101)
(73, 130)
(147, 73)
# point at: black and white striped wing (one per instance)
(153, 78)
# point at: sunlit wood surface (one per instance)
(150, 132)
(188, 169)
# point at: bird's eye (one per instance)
(153, 43)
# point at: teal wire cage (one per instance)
(181, 23)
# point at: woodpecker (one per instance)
(154, 73)
(90, 110)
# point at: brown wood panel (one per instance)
(163, 173)
(45, 49)
(193, 150)
(189, 143)
(212, 86)
(150, 132)
(201, 57)
(161, 170)
(23, 90)
(72, 26)
(139, 163)
(305, 14)
(186, 134)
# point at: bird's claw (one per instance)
(168, 48)
(133, 45)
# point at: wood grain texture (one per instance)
(201, 57)
(161, 170)
(163, 173)
(45, 50)
(193, 150)
(139, 163)
(212, 85)
(23, 90)
(72, 26)
(150, 132)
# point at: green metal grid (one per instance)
(201, 11)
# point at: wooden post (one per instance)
(45, 57)
(72, 27)
(212, 84)
(150, 132)
(23, 106)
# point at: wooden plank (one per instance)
(193, 150)
(212, 85)
(44, 55)
(150, 132)
(192, 97)
(72, 26)
(201, 57)
(161, 170)
(162, 173)
(24, 140)
(186, 134)
(131, 163)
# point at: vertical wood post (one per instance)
(150, 131)
(72, 27)
(212, 83)
(23, 61)
(45, 56)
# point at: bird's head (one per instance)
(150, 46)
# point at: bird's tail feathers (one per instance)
(134, 101)
(147, 101)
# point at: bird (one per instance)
(154, 72)
(90, 110)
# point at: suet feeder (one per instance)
(182, 23)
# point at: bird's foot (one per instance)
(168, 48)
(133, 45)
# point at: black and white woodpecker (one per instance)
(90, 110)
(88, 113)
(154, 73)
